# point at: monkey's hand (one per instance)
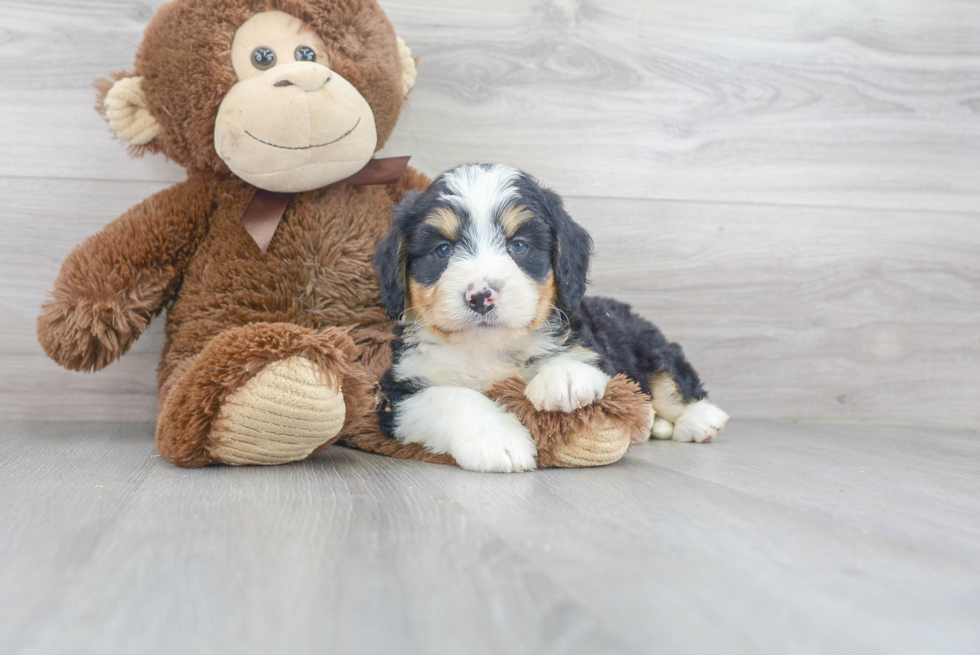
(116, 281)
(86, 328)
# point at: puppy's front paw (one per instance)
(479, 434)
(566, 386)
(501, 445)
(700, 422)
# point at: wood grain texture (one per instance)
(787, 188)
(777, 538)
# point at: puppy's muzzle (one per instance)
(481, 297)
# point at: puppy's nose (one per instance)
(308, 76)
(481, 297)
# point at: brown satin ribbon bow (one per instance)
(265, 211)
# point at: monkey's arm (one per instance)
(116, 281)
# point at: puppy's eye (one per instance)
(517, 247)
(263, 58)
(443, 251)
(305, 53)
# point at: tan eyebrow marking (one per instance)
(446, 221)
(512, 219)
(547, 296)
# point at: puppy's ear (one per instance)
(389, 262)
(570, 253)
(390, 258)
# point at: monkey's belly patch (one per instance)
(281, 415)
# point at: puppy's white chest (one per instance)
(446, 365)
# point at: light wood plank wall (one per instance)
(789, 188)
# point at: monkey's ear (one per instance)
(410, 71)
(127, 112)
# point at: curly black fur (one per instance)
(630, 344)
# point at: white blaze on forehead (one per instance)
(481, 192)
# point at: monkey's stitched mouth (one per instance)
(319, 145)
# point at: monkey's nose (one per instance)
(308, 76)
(481, 297)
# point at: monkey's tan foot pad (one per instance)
(281, 415)
(606, 445)
(596, 435)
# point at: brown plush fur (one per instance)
(317, 275)
(623, 403)
(116, 281)
(232, 310)
(192, 402)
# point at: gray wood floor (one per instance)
(788, 187)
(779, 538)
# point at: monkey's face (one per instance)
(248, 87)
(290, 123)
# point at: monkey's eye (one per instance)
(305, 53)
(443, 251)
(263, 58)
(517, 247)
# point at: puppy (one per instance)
(485, 273)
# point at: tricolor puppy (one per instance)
(485, 273)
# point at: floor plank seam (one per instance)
(694, 201)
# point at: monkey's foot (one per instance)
(264, 393)
(595, 435)
(281, 415)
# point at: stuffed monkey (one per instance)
(262, 258)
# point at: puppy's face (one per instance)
(485, 248)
